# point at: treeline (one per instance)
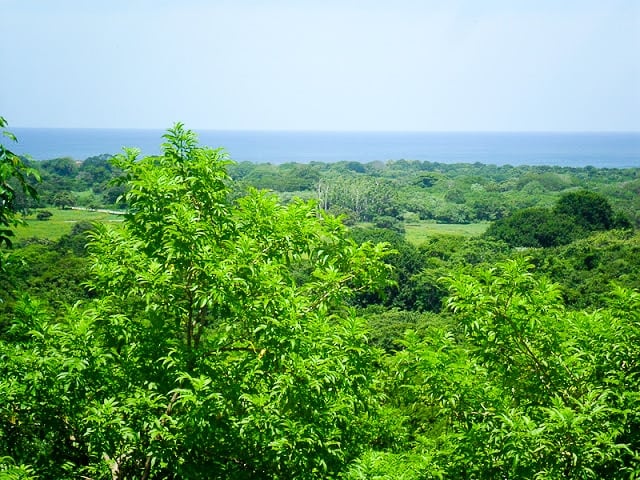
(380, 192)
(227, 332)
(448, 193)
(67, 183)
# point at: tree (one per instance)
(366, 197)
(63, 200)
(204, 355)
(95, 172)
(63, 167)
(575, 215)
(11, 169)
(522, 388)
(535, 227)
(589, 210)
(587, 267)
(44, 215)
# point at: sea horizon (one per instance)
(603, 149)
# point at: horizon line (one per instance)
(373, 131)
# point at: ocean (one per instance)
(601, 150)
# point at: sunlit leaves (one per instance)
(12, 171)
(525, 389)
(229, 316)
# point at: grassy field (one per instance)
(60, 223)
(417, 233)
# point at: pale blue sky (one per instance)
(470, 65)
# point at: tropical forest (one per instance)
(184, 316)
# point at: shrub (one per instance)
(44, 215)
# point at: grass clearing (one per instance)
(60, 223)
(418, 233)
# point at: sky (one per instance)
(335, 65)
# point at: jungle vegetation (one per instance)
(273, 321)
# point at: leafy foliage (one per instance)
(12, 169)
(526, 389)
(575, 215)
(203, 356)
(225, 332)
(587, 268)
(588, 209)
(535, 227)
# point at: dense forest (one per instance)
(247, 321)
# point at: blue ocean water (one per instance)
(603, 150)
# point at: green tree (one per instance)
(588, 267)
(204, 355)
(535, 227)
(95, 172)
(522, 389)
(589, 210)
(63, 200)
(11, 169)
(44, 215)
(63, 167)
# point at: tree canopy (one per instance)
(12, 171)
(575, 215)
(219, 346)
(588, 209)
(214, 330)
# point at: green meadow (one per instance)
(60, 223)
(419, 232)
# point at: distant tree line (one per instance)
(387, 193)
(575, 215)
